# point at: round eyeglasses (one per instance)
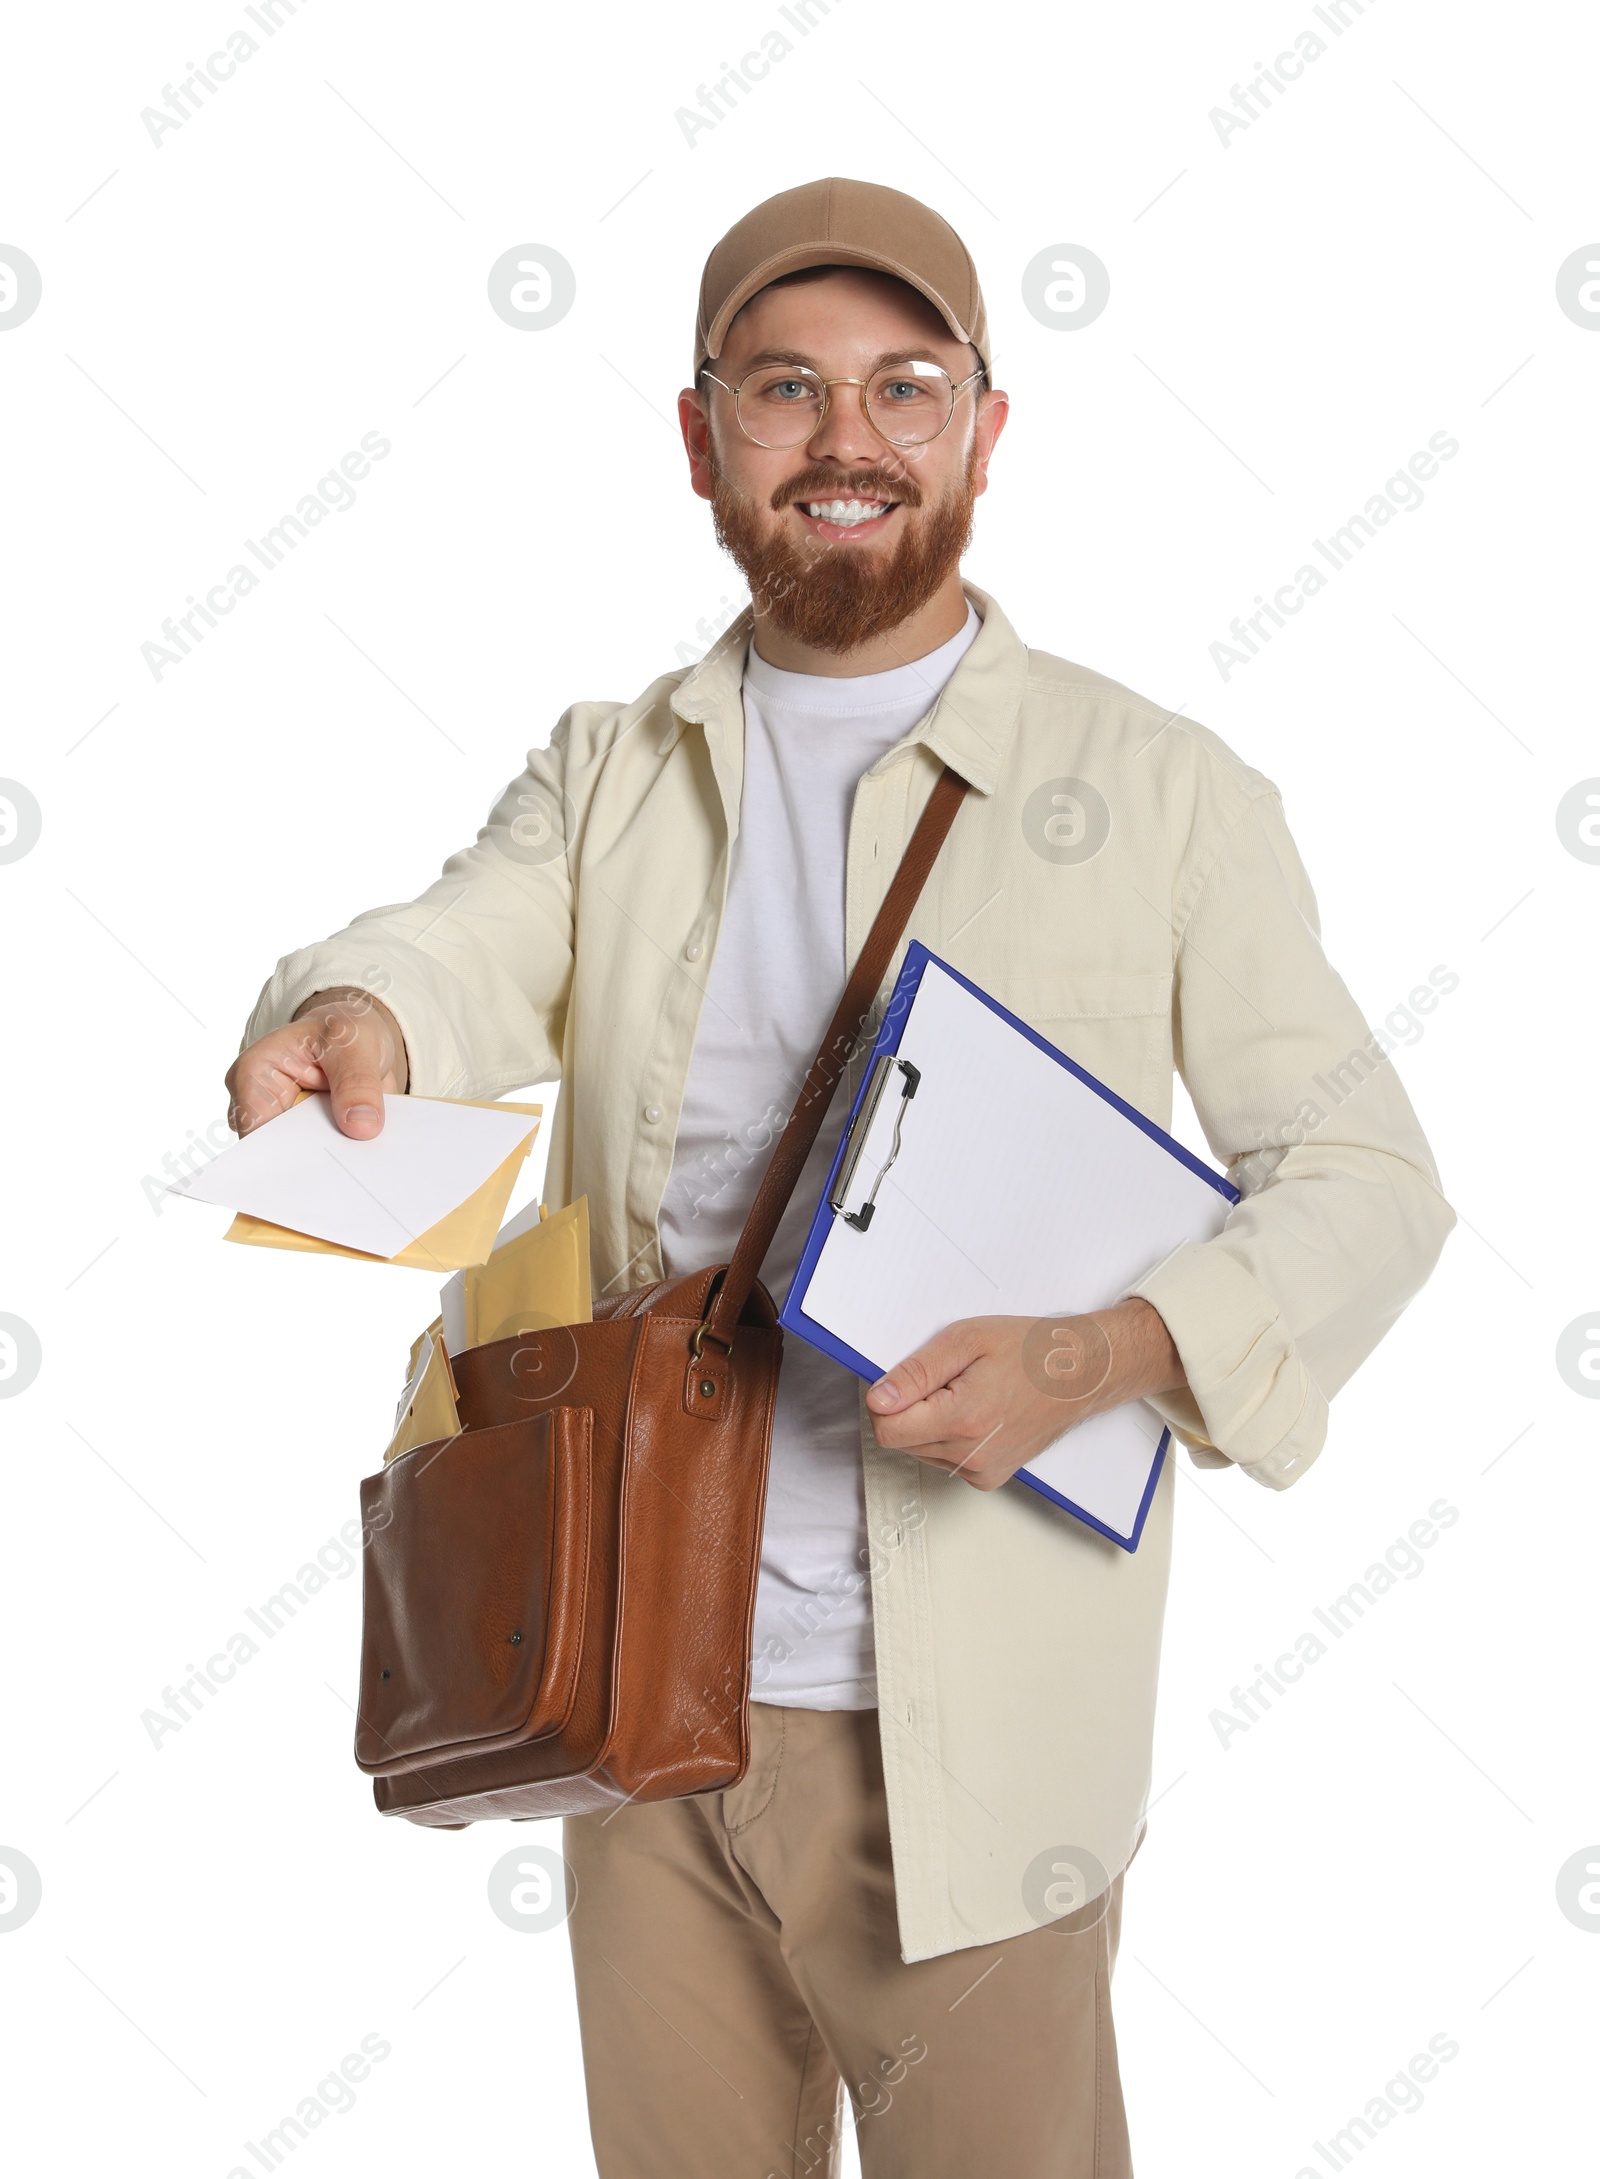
(783, 404)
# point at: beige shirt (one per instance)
(1121, 880)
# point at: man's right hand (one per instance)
(343, 1041)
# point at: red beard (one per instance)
(838, 597)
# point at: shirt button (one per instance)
(652, 1112)
(692, 950)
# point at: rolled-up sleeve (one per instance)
(477, 970)
(1342, 1217)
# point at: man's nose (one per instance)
(845, 433)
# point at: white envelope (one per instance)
(299, 1170)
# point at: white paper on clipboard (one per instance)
(1019, 1188)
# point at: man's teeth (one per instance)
(846, 511)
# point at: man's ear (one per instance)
(991, 422)
(694, 421)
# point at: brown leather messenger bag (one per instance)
(558, 1601)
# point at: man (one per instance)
(914, 1895)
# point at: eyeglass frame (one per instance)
(827, 384)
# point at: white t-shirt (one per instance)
(776, 978)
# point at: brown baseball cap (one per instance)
(837, 222)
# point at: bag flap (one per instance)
(474, 1587)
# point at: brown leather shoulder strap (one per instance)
(805, 1121)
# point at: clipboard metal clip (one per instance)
(861, 1128)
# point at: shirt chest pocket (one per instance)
(1117, 1025)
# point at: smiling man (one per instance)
(904, 1918)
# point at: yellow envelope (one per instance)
(431, 1414)
(464, 1237)
(534, 1282)
(422, 1338)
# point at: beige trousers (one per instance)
(738, 1970)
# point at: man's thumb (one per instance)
(356, 1095)
(932, 1364)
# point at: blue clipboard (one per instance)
(794, 1316)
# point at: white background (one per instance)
(1292, 315)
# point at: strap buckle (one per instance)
(697, 1340)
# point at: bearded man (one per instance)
(905, 1914)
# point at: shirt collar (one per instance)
(969, 727)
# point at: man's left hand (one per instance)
(988, 1393)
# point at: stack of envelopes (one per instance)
(537, 1277)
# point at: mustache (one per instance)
(873, 484)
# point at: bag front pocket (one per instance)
(474, 1590)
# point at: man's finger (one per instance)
(260, 1091)
(925, 1371)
